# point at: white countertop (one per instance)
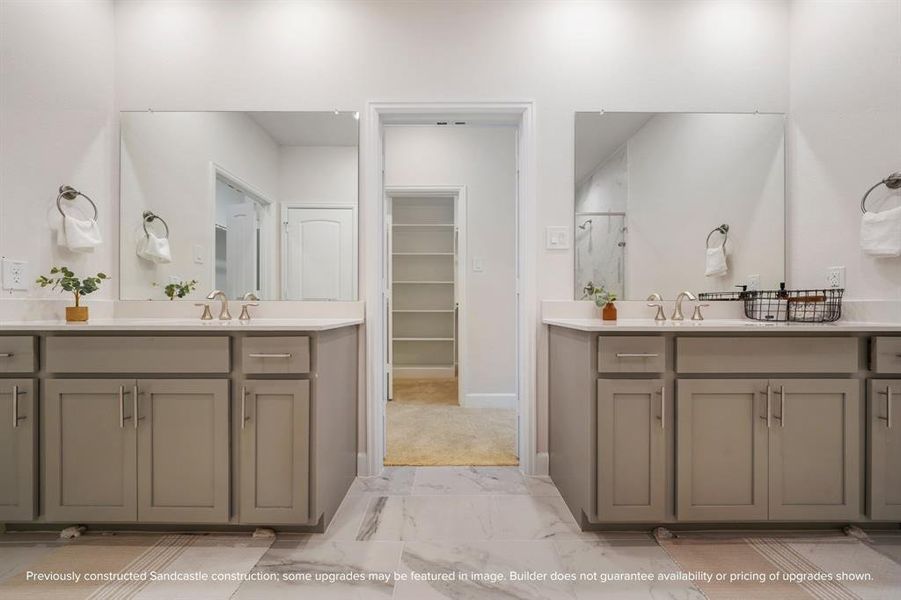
(309, 324)
(717, 325)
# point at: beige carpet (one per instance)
(427, 427)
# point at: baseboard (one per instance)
(540, 466)
(489, 400)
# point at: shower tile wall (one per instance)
(600, 233)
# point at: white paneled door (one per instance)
(241, 250)
(319, 254)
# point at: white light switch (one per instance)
(557, 237)
(478, 265)
(198, 254)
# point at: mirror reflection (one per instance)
(666, 202)
(260, 204)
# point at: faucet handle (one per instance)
(697, 316)
(245, 314)
(658, 304)
(207, 315)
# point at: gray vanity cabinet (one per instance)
(275, 452)
(18, 456)
(182, 438)
(89, 449)
(885, 450)
(814, 450)
(631, 454)
(721, 450)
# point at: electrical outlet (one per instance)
(753, 282)
(15, 274)
(835, 277)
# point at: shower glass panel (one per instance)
(601, 252)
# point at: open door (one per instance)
(389, 309)
(241, 250)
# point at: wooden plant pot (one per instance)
(76, 314)
(608, 313)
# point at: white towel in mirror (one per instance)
(155, 249)
(716, 262)
(880, 233)
(78, 235)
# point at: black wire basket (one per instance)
(800, 306)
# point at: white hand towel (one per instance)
(78, 235)
(880, 233)
(716, 262)
(154, 249)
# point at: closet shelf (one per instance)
(423, 225)
(423, 253)
(424, 310)
(421, 282)
(423, 339)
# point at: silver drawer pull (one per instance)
(6, 354)
(264, 355)
(636, 355)
(16, 417)
(243, 406)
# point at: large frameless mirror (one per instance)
(261, 203)
(666, 202)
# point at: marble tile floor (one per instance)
(438, 532)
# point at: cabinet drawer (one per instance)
(767, 355)
(631, 354)
(276, 355)
(885, 355)
(137, 354)
(17, 354)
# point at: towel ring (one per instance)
(892, 182)
(70, 193)
(149, 217)
(724, 229)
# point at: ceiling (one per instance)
(309, 128)
(598, 135)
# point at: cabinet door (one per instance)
(721, 435)
(631, 450)
(275, 452)
(183, 451)
(18, 424)
(89, 450)
(814, 449)
(885, 450)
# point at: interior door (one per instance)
(319, 254)
(389, 305)
(241, 250)
(814, 455)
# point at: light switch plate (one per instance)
(198, 254)
(15, 275)
(478, 265)
(557, 237)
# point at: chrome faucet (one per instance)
(224, 315)
(658, 304)
(250, 299)
(677, 312)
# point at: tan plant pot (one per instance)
(76, 314)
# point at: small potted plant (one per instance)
(603, 299)
(180, 289)
(62, 278)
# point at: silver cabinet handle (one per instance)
(243, 406)
(121, 406)
(888, 407)
(134, 416)
(663, 406)
(16, 417)
(636, 355)
(6, 354)
(781, 416)
(769, 395)
(264, 355)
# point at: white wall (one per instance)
(166, 168)
(57, 126)
(483, 159)
(845, 135)
(318, 175)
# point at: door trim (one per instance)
(520, 113)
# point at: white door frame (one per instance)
(282, 253)
(374, 278)
(458, 192)
(267, 226)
